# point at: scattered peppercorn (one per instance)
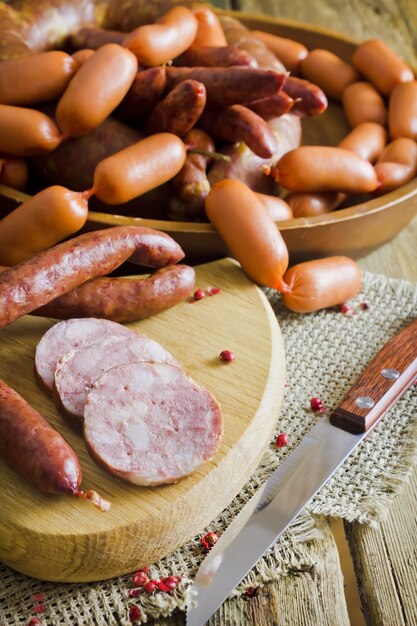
(213, 291)
(133, 593)
(209, 540)
(39, 608)
(316, 404)
(364, 306)
(140, 579)
(151, 586)
(251, 592)
(227, 355)
(134, 613)
(34, 622)
(281, 440)
(199, 294)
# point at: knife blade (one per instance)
(293, 485)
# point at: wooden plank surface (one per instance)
(385, 560)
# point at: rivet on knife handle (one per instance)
(385, 379)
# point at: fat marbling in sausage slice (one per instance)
(70, 335)
(150, 423)
(77, 371)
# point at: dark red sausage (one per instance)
(94, 38)
(274, 106)
(145, 92)
(230, 85)
(56, 271)
(238, 123)
(33, 449)
(215, 56)
(124, 299)
(310, 99)
(179, 110)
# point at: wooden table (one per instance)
(385, 560)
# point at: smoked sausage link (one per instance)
(321, 283)
(56, 271)
(139, 168)
(96, 90)
(179, 110)
(35, 450)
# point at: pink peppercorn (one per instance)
(316, 404)
(199, 294)
(209, 540)
(133, 593)
(213, 291)
(281, 440)
(151, 586)
(227, 355)
(251, 592)
(134, 613)
(140, 579)
(34, 622)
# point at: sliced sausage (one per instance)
(381, 65)
(150, 423)
(321, 283)
(70, 335)
(77, 370)
(35, 450)
(56, 271)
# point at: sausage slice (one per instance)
(69, 335)
(78, 370)
(150, 423)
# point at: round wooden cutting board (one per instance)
(63, 538)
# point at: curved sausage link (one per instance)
(56, 271)
(34, 449)
(179, 110)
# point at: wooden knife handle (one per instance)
(381, 384)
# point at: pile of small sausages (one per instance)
(202, 114)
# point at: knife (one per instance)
(293, 485)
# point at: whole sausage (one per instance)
(39, 223)
(96, 90)
(230, 85)
(362, 103)
(26, 132)
(249, 231)
(64, 166)
(13, 172)
(274, 106)
(238, 123)
(397, 164)
(278, 209)
(323, 168)
(329, 72)
(35, 450)
(139, 168)
(209, 30)
(124, 299)
(238, 35)
(35, 79)
(288, 51)
(146, 91)
(402, 111)
(161, 42)
(56, 271)
(212, 56)
(81, 56)
(309, 99)
(381, 65)
(312, 204)
(94, 37)
(191, 184)
(178, 112)
(246, 166)
(321, 283)
(367, 140)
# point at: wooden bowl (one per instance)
(353, 231)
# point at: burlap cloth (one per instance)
(325, 353)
